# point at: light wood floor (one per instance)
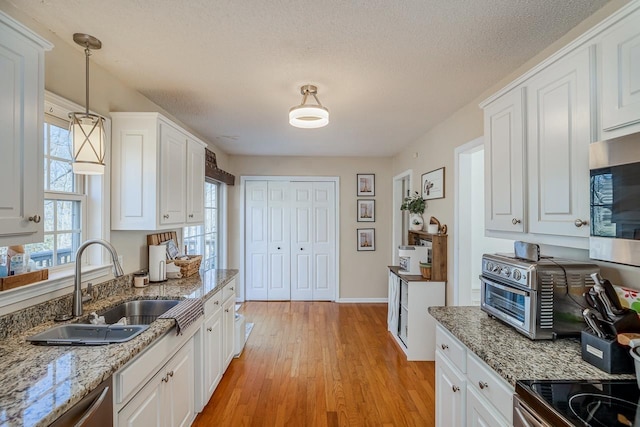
(321, 364)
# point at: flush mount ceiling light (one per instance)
(87, 130)
(309, 116)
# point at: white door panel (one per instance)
(256, 242)
(324, 245)
(279, 283)
(302, 246)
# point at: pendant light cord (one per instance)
(87, 53)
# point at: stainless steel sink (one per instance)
(140, 312)
(79, 334)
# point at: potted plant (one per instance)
(415, 204)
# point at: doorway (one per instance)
(469, 234)
(400, 219)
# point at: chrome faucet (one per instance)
(77, 291)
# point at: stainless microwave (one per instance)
(615, 200)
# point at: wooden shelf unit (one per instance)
(439, 252)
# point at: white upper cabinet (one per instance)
(21, 132)
(504, 163)
(558, 137)
(155, 167)
(620, 85)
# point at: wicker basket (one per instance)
(188, 267)
(425, 270)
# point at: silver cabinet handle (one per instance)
(36, 218)
(165, 379)
(579, 223)
(515, 221)
(170, 374)
(482, 385)
(209, 329)
(165, 216)
(444, 346)
(455, 388)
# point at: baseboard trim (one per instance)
(362, 300)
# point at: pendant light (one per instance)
(87, 130)
(309, 116)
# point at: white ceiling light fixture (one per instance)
(309, 116)
(87, 130)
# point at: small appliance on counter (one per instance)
(411, 257)
(542, 298)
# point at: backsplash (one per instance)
(27, 318)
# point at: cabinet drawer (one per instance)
(490, 385)
(213, 304)
(229, 290)
(451, 348)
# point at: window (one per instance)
(64, 198)
(204, 239)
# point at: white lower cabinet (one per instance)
(212, 348)
(168, 398)
(228, 319)
(468, 391)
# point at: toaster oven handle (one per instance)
(505, 288)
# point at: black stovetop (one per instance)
(609, 403)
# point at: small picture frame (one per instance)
(433, 184)
(366, 210)
(366, 184)
(366, 239)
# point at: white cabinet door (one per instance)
(323, 238)
(21, 135)
(301, 241)
(147, 407)
(213, 344)
(228, 318)
(179, 387)
(195, 182)
(173, 175)
(559, 133)
(480, 413)
(504, 163)
(451, 389)
(621, 78)
(256, 240)
(279, 245)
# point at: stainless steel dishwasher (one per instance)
(95, 409)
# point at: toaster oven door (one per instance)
(512, 305)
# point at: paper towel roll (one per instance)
(157, 263)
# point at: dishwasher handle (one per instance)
(86, 418)
(524, 416)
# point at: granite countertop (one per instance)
(514, 356)
(40, 383)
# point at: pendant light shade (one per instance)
(309, 116)
(87, 130)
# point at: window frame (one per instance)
(96, 265)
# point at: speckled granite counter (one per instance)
(40, 383)
(513, 356)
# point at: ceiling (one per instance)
(387, 70)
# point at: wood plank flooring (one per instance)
(321, 364)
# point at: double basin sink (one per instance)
(122, 323)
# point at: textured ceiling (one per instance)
(387, 70)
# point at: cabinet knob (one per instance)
(232, 288)
(209, 329)
(190, 215)
(515, 221)
(170, 373)
(302, 249)
(579, 223)
(455, 388)
(165, 379)
(444, 346)
(278, 247)
(216, 302)
(165, 216)
(482, 385)
(226, 310)
(35, 218)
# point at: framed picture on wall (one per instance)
(433, 184)
(366, 239)
(366, 210)
(366, 184)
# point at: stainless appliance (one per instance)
(615, 200)
(94, 410)
(553, 403)
(540, 299)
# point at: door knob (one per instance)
(278, 247)
(35, 218)
(515, 221)
(579, 223)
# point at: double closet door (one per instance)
(290, 240)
